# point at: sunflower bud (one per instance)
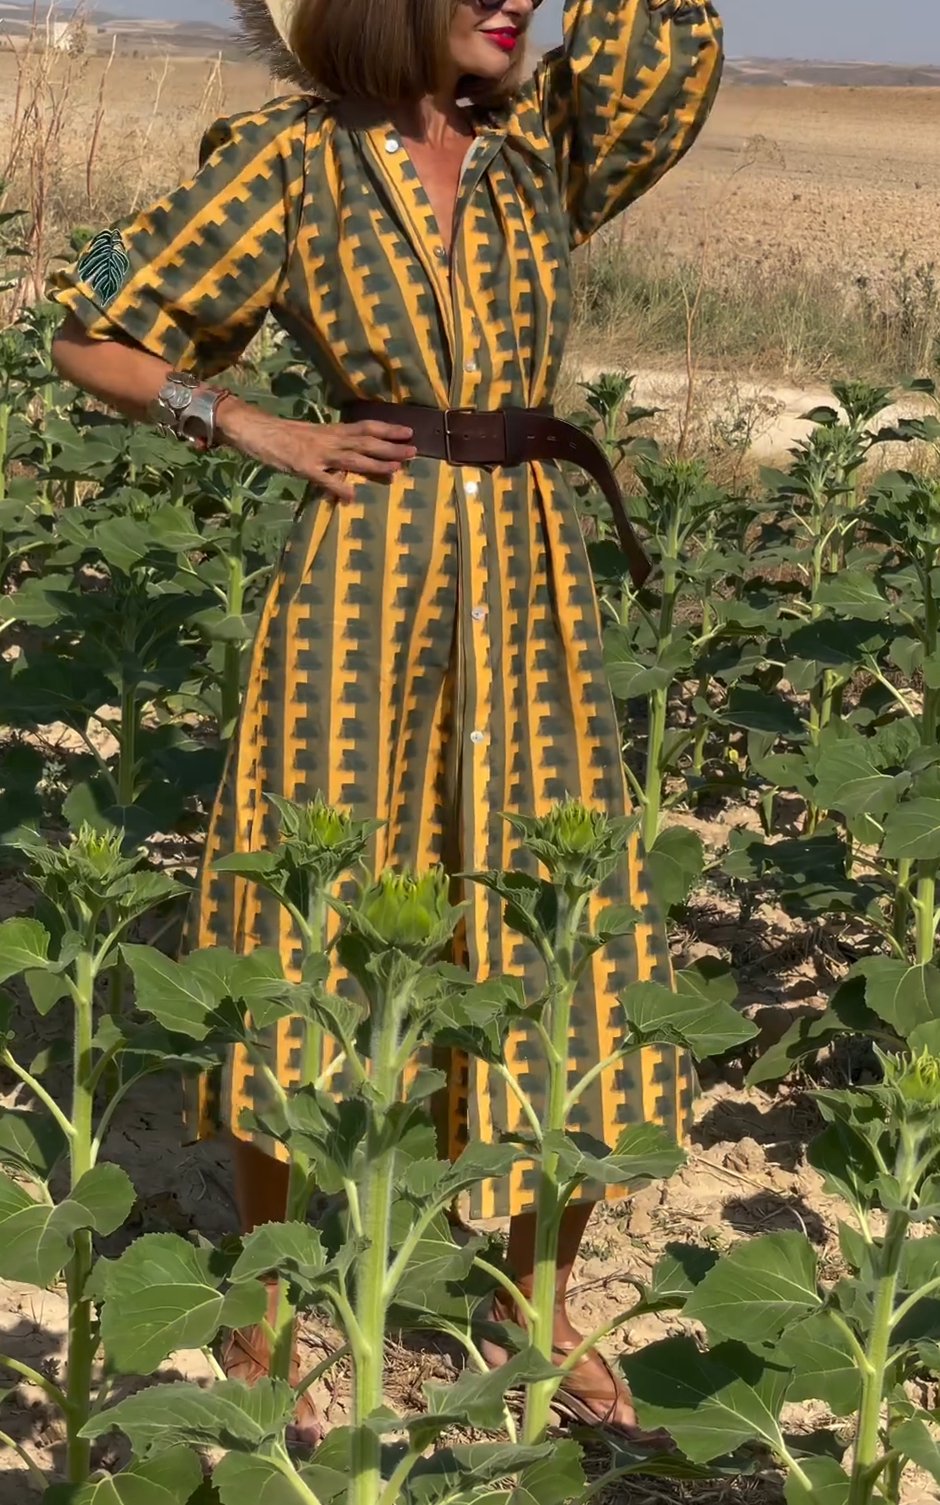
(576, 845)
(88, 870)
(407, 912)
(916, 1080)
(320, 839)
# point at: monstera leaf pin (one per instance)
(104, 265)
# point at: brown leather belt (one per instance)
(510, 436)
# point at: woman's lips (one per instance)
(505, 40)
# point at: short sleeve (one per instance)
(191, 278)
(625, 97)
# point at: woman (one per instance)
(430, 650)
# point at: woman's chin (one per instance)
(488, 69)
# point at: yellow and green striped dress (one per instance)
(431, 652)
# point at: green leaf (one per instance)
(848, 779)
(452, 1475)
(675, 860)
(904, 996)
(855, 591)
(230, 1415)
(46, 989)
(757, 1290)
(823, 1366)
(478, 1162)
(36, 1239)
(176, 993)
(106, 1195)
(758, 711)
(30, 1140)
(160, 1297)
(710, 1403)
(846, 1161)
(913, 830)
(828, 1483)
(678, 1273)
(169, 1479)
(479, 1398)
(554, 1480)
(644, 1152)
(243, 1480)
(913, 1439)
(692, 1017)
(293, 1249)
(23, 944)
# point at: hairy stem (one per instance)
(81, 1339)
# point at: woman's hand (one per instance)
(320, 452)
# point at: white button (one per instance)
(472, 488)
(440, 253)
(392, 145)
(478, 613)
(471, 366)
(477, 737)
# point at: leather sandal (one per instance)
(245, 1357)
(581, 1399)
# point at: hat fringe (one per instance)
(265, 42)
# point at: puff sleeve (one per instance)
(191, 278)
(625, 97)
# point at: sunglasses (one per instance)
(498, 4)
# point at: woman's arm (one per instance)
(128, 379)
(187, 284)
(625, 98)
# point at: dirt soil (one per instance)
(843, 180)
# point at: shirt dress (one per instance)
(431, 652)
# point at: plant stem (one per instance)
(925, 909)
(35, 1378)
(867, 1439)
(313, 931)
(659, 707)
(299, 1489)
(39, 1091)
(5, 411)
(551, 1203)
(371, 1304)
(33, 1468)
(231, 688)
(902, 903)
(81, 1342)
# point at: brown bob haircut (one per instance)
(389, 51)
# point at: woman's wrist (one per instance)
(233, 421)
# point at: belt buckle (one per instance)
(499, 421)
(449, 415)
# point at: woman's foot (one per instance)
(246, 1357)
(592, 1393)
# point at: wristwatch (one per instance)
(185, 409)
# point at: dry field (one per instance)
(838, 179)
(845, 181)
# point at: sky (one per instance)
(822, 30)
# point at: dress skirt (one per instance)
(430, 654)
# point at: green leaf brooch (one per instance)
(104, 265)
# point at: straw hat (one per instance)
(265, 27)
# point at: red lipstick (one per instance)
(506, 40)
